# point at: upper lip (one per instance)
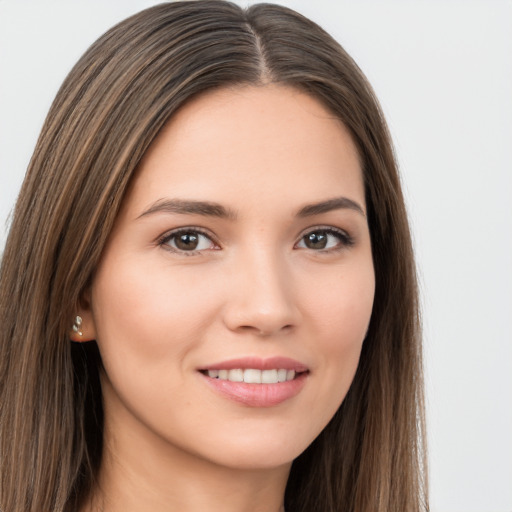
(259, 363)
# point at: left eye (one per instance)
(188, 241)
(324, 239)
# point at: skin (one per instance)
(253, 287)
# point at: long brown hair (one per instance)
(110, 108)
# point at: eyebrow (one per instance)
(336, 203)
(189, 207)
(211, 209)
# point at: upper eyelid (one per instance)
(325, 227)
(176, 231)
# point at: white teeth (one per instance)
(236, 375)
(253, 376)
(269, 377)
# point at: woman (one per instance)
(213, 217)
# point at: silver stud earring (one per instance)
(77, 325)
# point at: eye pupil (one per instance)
(316, 240)
(187, 241)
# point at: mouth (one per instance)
(257, 382)
(254, 375)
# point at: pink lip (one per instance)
(259, 364)
(258, 395)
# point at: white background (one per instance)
(443, 72)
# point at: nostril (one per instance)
(249, 315)
(269, 332)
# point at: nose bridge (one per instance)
(263, 298)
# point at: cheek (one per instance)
(342, 305)
(139, 308)
(341, 313)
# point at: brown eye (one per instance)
(316, 240)
(188, 241)
(325, 240)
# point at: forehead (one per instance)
(247, 142)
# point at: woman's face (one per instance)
(242, 253)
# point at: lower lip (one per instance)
(258, 395)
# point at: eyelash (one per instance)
(345, 240)
(167, 237)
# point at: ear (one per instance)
(83, 327)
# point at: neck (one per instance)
(129, 489)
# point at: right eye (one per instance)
(190, 241)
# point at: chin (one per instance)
(260, 450)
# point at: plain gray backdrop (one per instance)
(443, 73)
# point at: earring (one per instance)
(77, 325)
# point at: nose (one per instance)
(262, 298)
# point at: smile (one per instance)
(256, 382)
(253, 375)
